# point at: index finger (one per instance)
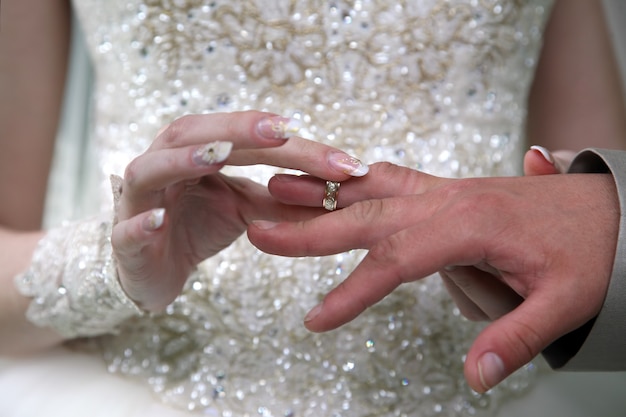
(406, 256)
(246, 130)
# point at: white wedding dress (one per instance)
(437, 85)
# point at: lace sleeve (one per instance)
(73, 283)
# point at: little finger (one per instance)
(467, 307)
(130, 237)
(492, 296)
(139, 245)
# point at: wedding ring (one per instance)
(330, 195)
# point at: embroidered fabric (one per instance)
(73, 281)
(438, 85)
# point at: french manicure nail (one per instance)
(154, 220)
(347, 164)
(547, 155)
(315, 311)
(264, 224)
(490, 370)
(212, 153)
(277, 127)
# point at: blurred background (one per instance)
(616, 16)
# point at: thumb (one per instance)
(511, 342)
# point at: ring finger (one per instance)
(383, 181)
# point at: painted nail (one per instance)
(264, 224)
(547, 155)
(277, 127)
(154, 220)
(347, 164)
(212, 153)
(490, 370)
(313, 313)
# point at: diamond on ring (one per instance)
(330, 195)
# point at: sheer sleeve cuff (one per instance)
(73, 282)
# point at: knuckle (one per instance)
(473, 205)
(232, 125)
(386, 251)
(172, 133)
(524, 340)
(395, 174)
(385, 169)
(406, 180)
(303, 247)
(458, 190)
(367, 210)
(131, 175)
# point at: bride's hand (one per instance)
(532, 234)
(176, 209)
(541, 161)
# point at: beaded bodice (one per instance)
(438, 85)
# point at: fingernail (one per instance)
(490, 370)
(347, 164)
(277, 127)
(154, 220)
(449, 268)
(547, 155)
(264, 224)
(313, 313)
(212, 153)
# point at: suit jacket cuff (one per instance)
(600, 345)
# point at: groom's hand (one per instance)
(550, 239)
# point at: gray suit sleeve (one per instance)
(600, 345)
